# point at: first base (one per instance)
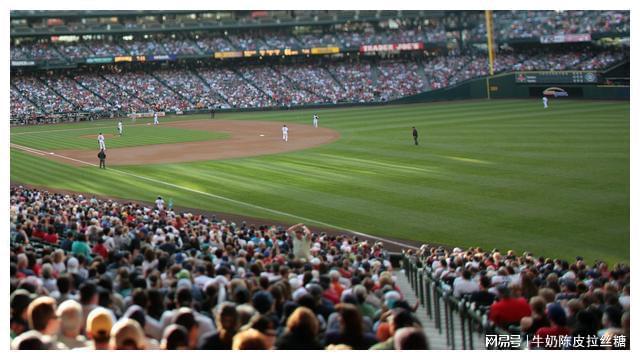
(261, 134)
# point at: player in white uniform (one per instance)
(285, 133)
(315, 120)
(545, 102)
(101, 142)
(155, 118)
(120, 128)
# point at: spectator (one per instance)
(508, 310)
(351, 330)
(71, 321)
(301, 332)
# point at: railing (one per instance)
(433, 297)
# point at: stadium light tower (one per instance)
(488, 16)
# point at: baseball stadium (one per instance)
(317, 179)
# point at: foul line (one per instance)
(219, 197)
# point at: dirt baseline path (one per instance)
(245, 140)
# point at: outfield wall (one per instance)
(504, 86)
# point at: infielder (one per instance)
(285, 133)
(545, 102)
(155, 118)
(120, 128)
(101, 142)
(315, 120)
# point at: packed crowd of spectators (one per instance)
(260, 85)
(536, 23)
(539, 298)
(356, 79)
(398, 79)
(507, 25)
(278, 87)
(97, 274)
(234, 89)
(35, 90)
(189, 86)
(117, 98)
(315, 79)
(75, 93)
(147, 88)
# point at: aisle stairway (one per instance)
(437, 339)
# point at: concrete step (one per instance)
(437, 338)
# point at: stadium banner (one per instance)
(228, 54)
(171, 57)
(22, 63)
(145, 114)
(392, 47)
(123, 59)
(325, 50)
(99, 60)
(568, 38)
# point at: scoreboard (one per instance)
(556, 77)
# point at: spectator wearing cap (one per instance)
(70, 314)
(227, 323)
(508, 310)
(99, 324)
(558, 319)
(301, 332)
(127, 334)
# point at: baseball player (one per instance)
(120, 128)
(545, 102)
(155, 118)
(315, 120)
(285, 133)
(101, 142)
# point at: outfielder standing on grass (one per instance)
(315, 120)
(415, 135)
(120, 127)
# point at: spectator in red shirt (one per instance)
(508, 310)
(51, 236)
(558, 319)
(100, 249)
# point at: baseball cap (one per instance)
(126, 331)
(99, 323)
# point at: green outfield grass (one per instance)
(503, 174)
(83, 136)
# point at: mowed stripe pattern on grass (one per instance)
(503, 174)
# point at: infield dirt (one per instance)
(246, 138)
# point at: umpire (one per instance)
(415, 135)
(102, 156)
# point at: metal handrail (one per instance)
(432, 294)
